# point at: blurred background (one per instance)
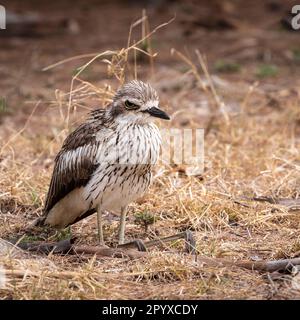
(241, 40)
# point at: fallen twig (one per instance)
(291, 204)
(68, 247)
(190, 243)
(262, 266)
(270, 266)
(109, 252)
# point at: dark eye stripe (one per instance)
(131, 106)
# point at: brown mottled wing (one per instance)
(75, 163)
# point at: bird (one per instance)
(106, 162)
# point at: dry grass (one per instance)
(251, 149)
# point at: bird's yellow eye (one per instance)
(131, 106)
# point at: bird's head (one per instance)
(137, 102)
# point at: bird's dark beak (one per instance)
(158, 113)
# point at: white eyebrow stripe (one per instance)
(151, 103)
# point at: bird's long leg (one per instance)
(100, 226)
(122, 225)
